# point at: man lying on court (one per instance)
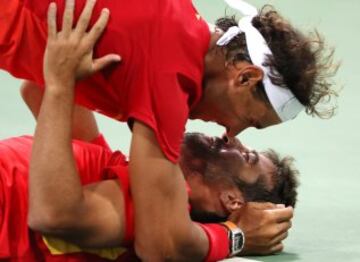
(91, 204)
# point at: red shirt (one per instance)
(162, 42)
(17, 242)
(95, 161)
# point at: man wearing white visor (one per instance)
(283, 101)
(273, 71)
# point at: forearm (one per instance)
(59, 205)
(164, 230)
(54, 185)
(55, 191)
(172, 235)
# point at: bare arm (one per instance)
(84, 125)
(163, 228)
(58, 205)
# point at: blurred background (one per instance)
(327, 218)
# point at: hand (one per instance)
(265, 226)
(69, 53)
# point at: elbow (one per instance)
(46, 221)
(41, 223)
(29, 92)
(25, 90)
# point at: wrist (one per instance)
(58, 98)
(236, 238)
(60, 88)
(62, 79)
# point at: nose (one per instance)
(232, 142)
(225, 138)
(228, 139)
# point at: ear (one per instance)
(249, 76)
(231, 199)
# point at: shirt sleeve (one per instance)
(91, 159)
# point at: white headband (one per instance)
(286, 105)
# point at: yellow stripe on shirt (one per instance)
(58, 246)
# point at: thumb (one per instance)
(105, 61)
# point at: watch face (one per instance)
(236, 238)
(238, 241)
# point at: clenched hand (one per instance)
(265, 226)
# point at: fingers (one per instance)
(279, 238)
(284, 214)
(261, 205)
(68, 17)
(51, 21)
(105, 61)
(284, 226)
(99, 26)
(277, 248)
(280, 233)
(281, 214)
(85, 17)
(275, 244)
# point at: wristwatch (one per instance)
(236, 238)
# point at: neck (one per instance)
(205, 206)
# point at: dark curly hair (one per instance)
(302, 62)
(284, 183)
(285, 180)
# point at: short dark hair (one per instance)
(302, 62)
